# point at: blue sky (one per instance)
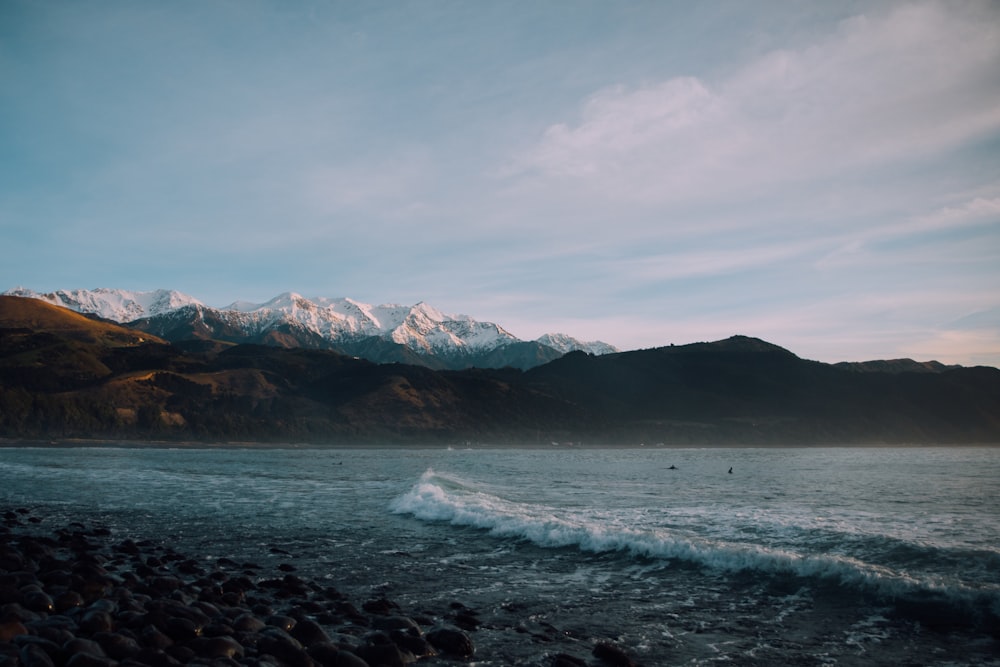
(825, 176)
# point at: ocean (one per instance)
(681, 556)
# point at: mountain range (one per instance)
(65, 375)
(418, 334)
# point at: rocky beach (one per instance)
(75, 595)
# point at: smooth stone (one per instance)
(94, 621)
(33, 655)
(451, 640)
(156, 658)
(384, 655)
(181, 629)
(80, 645)
(248, 623)
(67, 600)
(309, 633)
(399, 623)
(154, 638)
(217, 647)
(283, 647)
(89, 660)
(117, 645)
(612, 655)
(285, 623)
(10, 629)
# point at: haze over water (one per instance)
(806, 555)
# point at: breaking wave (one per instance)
(437, 497)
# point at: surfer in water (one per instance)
(730, 471)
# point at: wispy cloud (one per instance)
(881, 89)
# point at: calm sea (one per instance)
(805, 556)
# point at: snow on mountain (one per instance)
(564, 344)
(420, 327)
(113, 304)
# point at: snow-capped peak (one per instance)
(564, 344)
(420, 327)
(113, 304)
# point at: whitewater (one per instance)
(825, 556)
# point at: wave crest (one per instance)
(443, 498)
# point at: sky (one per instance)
(821, 175)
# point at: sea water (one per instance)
(735, 556)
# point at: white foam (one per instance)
(444, 498)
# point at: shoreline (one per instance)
(87, 443)
(79, 596)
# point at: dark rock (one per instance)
(14, 611)
(95, 620)
(285, 623)
(181, 629)
(612, 655)
(33, 655)
(10, 629)
(416, 645)
(67, 600)
(309, 633)
(284, 647)
(154, 638)
(79, 645)
(380, 606)
(90, 660)
(400, 623)
(248, 623)
(451, 640)
(182, 654)
(36, 600)
(383, 655)
(217, 647)
(117, 645)
(157, 658)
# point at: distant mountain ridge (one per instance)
(419, 334)
(66, 375)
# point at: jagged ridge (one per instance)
(413, 334)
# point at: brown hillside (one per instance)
(21, 313)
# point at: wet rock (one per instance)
(67, 600)
(451, 640)
(37, 600)
(400, 623)
(89, 660)
(181, 629)
(79, 645)
(248, 623)
(282, 622)
(384, 655)
(380, 606)
(612, 655)
(96, 620)
(566, 660)
(284, 647)
(10, 629)
(153, 637)
(309, 632)
(117, 645)
(217, 647)
(32, 655)
(157, 658)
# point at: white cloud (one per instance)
(919, 79)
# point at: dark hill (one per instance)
(63, 375)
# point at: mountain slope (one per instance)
(430, 337)
(64, 375)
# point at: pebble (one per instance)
(76, 597)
